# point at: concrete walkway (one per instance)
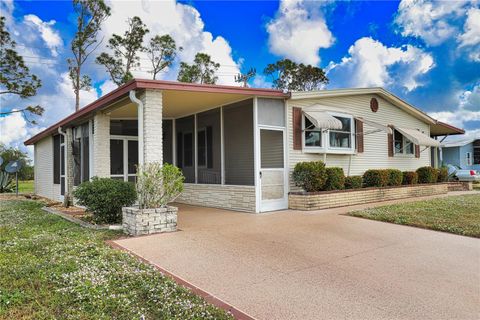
(320, 265)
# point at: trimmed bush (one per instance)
(427, 175)
(375, 178)
(395, 177)
(353, 182)
(105, 197)
(335, 179)
(310, 176)
(442, 174)
(410, 177)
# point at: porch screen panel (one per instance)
(185, 142)
(85, 153)
(167, 127)
(77, 156)
(56, 159)
(124, 127)
(116, 157)
(238, 143)
(209, 147)
(271, 112)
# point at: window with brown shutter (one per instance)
(297, 128)
(417, 151)
(359, 135)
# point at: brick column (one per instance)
(152, 125)
(101, 145)
(69, 164)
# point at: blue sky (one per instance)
(426, 52)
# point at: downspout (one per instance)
(139, 103)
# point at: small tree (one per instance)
(161, 51)
(90, 16)
(289, 75)
(158, 184)
(245, 77)
(15, 77)
(201, 71)
(125, 52)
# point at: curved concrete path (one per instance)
(320, 265)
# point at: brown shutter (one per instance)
(359, 135)
(390, 143)
(297, 128)
(417, 151)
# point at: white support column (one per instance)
(222, 149)
(101, 145)
(152, 125)
(256, 156)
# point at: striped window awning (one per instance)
(418, 137)
(322, 120)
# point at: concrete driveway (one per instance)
(320, 265)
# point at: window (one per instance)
(476, 151)
(123, 158)
(313, 136)
(205, 147)
(333, 141)
(468, 158)
(342, 138)
(401, 145)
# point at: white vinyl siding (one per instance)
(375, 155)
(43, 160)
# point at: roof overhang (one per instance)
(444, 129)
(173, 87)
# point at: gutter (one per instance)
(139, 103)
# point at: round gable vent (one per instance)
(374, 104)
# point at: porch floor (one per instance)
(322, 264)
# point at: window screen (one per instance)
(124, 127)
(185, 161)
(167, 127)
(271, 112)
(116, 156)
(238, 131)
(56, 159)
(209, 147)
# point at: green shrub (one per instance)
(335, 179)
(105, 197)
(442, 174)
(353, 182)
(310, 176)
(410, 177)
(158, 184)
(395, 177)
(375, 178)
(427, 175)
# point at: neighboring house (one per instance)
(236, 146)
(465, 154)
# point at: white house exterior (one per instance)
(236, 146)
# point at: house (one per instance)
(236, 146)
(464, 154)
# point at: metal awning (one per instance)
(322, 120)
(418, 137)
(376, 125)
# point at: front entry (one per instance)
(273, 193)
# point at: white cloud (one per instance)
(107, 86)
(12, 127)
(183, 22)
(471, 35)
(432, 21)
(260, 81)
(50, 36)
(371, 63)
(299, 31)
(467, 110)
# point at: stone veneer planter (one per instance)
(147, 221)
(341, 198)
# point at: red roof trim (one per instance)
(153, 84)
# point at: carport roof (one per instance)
(123, 91)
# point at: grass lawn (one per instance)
(456, 214)
(25, 186)
(52, 269)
